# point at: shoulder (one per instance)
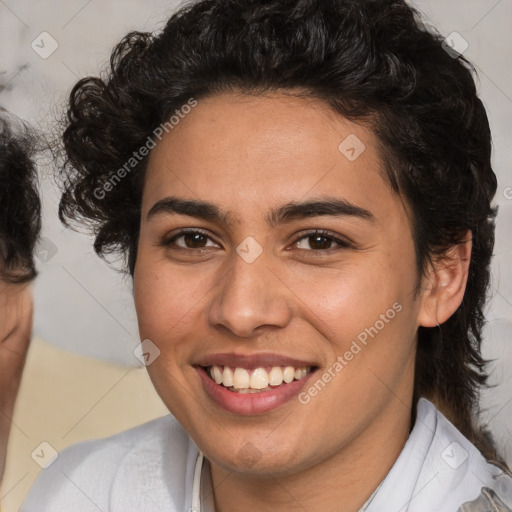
(487, 501)
(85, 476)
(463, 473)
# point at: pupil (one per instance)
(319, 242)
(194, 240)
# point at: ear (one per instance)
(443, 288)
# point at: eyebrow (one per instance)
(290, 211)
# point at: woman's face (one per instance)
(270, 239)
(15, 331)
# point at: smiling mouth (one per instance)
(258, 380)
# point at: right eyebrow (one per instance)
(192, 208)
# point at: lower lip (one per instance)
(251, 403)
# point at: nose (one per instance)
(250, 297)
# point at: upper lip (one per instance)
(251, 361)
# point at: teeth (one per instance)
(246, 381)
(227, 377)
(289, 374)
(259, 379)
(300, 372)
(275, 377)
(217, 374)
(241, 378)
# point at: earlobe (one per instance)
(444, 286)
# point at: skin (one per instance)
(248, 155)
(16, 312)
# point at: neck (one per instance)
(348, 477)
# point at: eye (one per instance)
(320, 241)
(190, 239)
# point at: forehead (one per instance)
(249, 150)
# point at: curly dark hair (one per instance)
(372, 61)
(20, 207)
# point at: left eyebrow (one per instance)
(329, 206)
(285, 213)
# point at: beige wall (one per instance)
(66, 398)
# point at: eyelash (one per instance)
(342, 244)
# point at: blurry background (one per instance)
(82, 379)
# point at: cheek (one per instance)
(167, 301)
(165, 307)
(366, 318)
(364, 313)
(346, 300)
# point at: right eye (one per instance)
(190, 240)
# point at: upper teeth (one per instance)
(259, 378)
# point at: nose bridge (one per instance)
(249, 296)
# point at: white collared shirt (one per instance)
(156, 467)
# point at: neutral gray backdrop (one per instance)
(84, 306)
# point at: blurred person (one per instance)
(20, 223)
(302, 193)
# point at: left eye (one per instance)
(319, 242)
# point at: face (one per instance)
(267, 251)
(15, 331)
